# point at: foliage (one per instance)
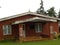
(41, 9)
(59, 14)
(51, 12)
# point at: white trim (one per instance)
(38, 27)
(6, 18)
(33, 19)
(51, 29)
(6, 30)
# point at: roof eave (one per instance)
(32, 13)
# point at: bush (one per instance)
(59, 36)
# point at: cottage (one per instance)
(28, 26)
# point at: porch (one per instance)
(31, 31)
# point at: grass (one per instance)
(46, 42)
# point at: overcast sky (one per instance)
(12, 7)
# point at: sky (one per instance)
(13, 7)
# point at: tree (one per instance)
(59, 14)
(51, 12)
(41, 9)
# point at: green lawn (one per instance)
(47, 42)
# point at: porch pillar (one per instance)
(21, 36)
(51, 30)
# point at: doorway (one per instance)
(15, 31)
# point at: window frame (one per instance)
(7, 28)
(37, 29)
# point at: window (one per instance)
(38, 27)
(6, 29)
(23, 26)
(32, 26)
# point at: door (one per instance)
(24, 30)
(15, 31)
